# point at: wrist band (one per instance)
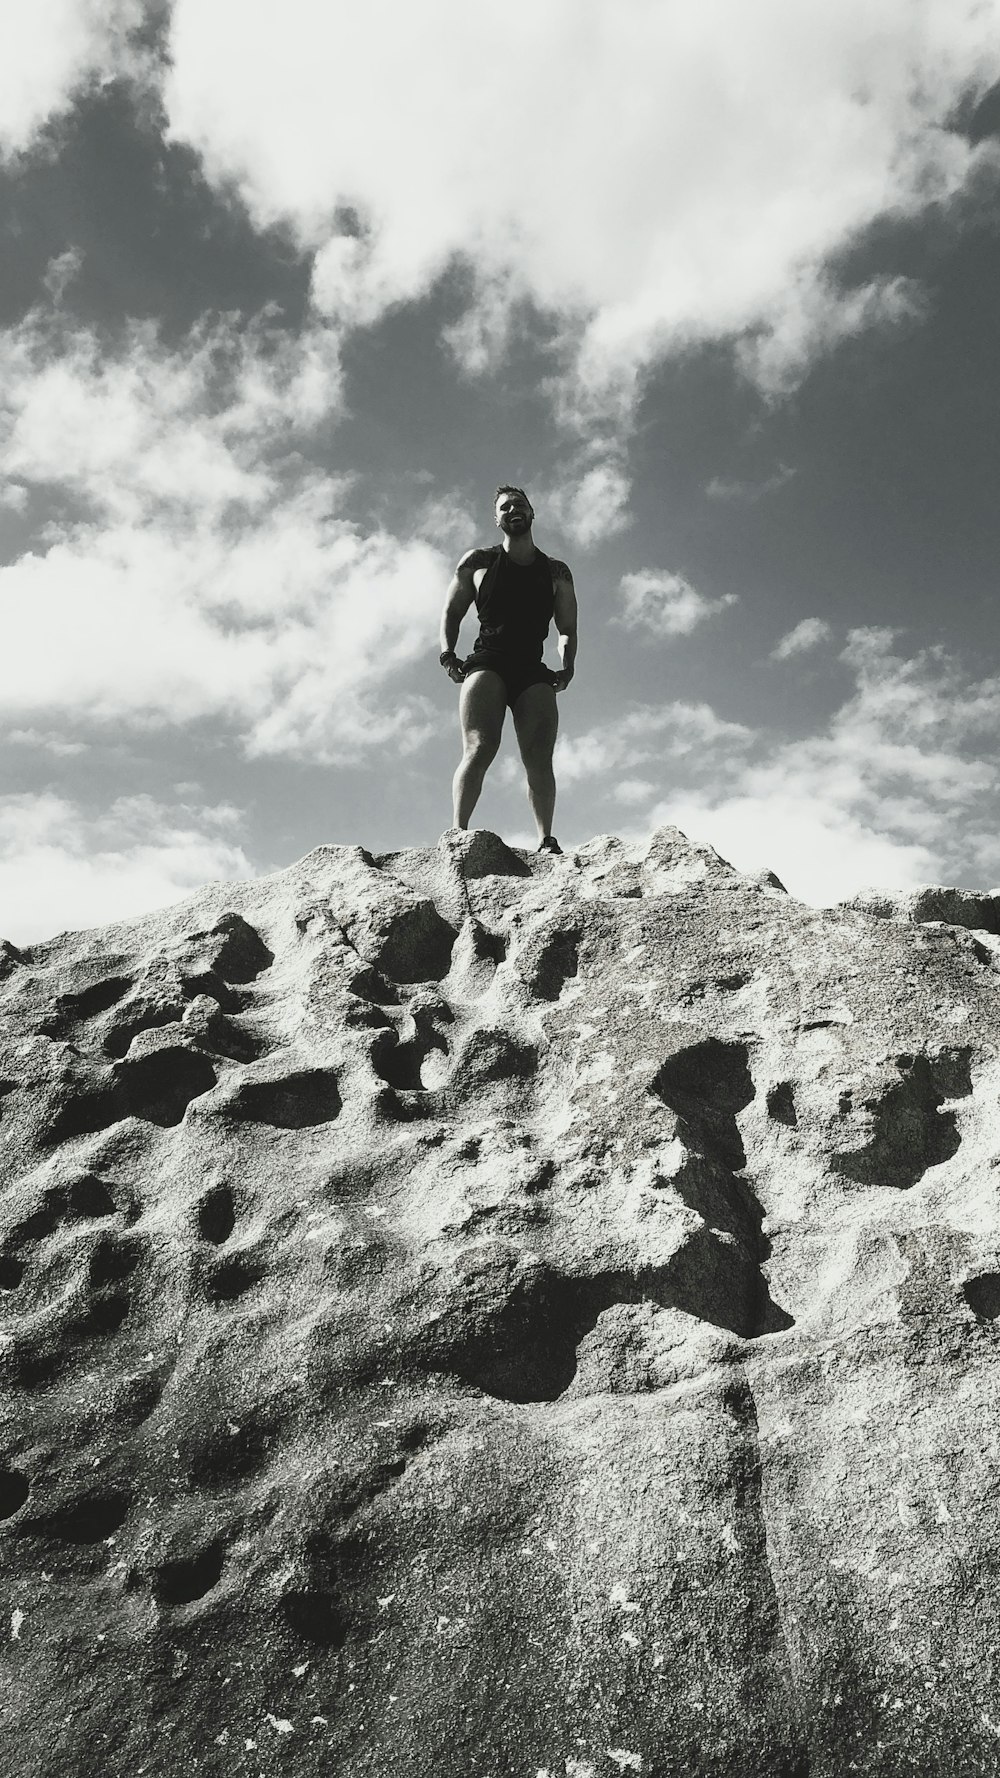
(448, 655)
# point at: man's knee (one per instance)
(481, 750)
(537, 746)
(539, 771)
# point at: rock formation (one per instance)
(472, 1315)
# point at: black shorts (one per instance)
(516, 675)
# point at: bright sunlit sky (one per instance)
(287, 289)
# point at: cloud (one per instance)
(593, 507)
(138, 428)
(901, 787)
(635, 790)
(822, 855)
(665, 603)
(807, 634)
(61, 868)
(812, 317)
(202, 567)
(61, 272)
(741, 149)
(46, 742)
(55, 48)
(719, 488)
(647, 737)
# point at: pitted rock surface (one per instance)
(471, 1313)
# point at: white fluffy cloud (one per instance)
(593, 507)
(665, 604)
(201, 568)
(646, 738)
(60, 868)
(806, 635)
(654, 175)
(50, 49)
(900, 788)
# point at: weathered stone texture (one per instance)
(472, 1315)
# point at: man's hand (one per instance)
(562, 679)
(453, 666)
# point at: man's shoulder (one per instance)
(560, 570)
(478, 558)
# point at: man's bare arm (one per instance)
(566, 620)
(461, 592)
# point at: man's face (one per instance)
(514, 514)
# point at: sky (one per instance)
(287, 290)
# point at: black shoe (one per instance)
(550, 844)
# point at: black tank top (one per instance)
(515, 602)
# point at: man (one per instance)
(517, 591)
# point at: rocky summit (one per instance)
(466, 1314)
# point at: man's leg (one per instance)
(536, 720)
(482, 707)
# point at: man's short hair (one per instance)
(509, 488)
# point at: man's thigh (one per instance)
(536, 723)
(482, 707)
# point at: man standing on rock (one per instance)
(517, 591)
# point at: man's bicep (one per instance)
(462, 589)
(565, 611)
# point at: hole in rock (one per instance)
(525, 1347)
(706, 1084)
(367, 1017)
(243, 955)
(781, 1103)
(293, 1102)
(415, 945)
(43, 1221)
(98, 998)
(395, 1108)
(35, 1367)
(138, 1397)
(491, 945)
(152, 1018)
(401, 1064)
(113, 1260)
(369, 985)
(160, 1087)
(106, 1313)
(11, 1271)
(526, 1350)
(89, 1196)
(84, 1114)
(315, 1616)
(219, 1454)
(14, 1491)
(89, 1519)
(223, 1038)
(494, 1055)
(233, 1277)
(910, 1130)
(413, 1438)
(182, 1581)
(557, 961)
(983, 1295)
(210, 983)
(217, 1215)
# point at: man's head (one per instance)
(514, 511)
